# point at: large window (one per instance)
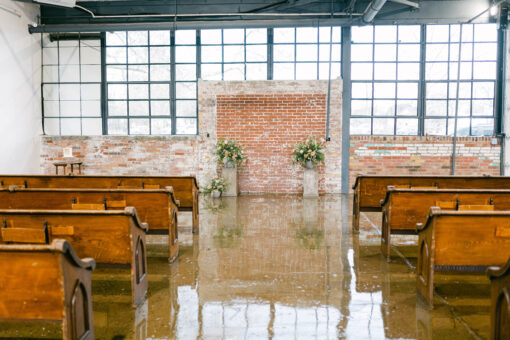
(385, 74)
(304, 53)
(71, 85)
(404, 80)
(234, 54)
(475, 111)
(151, 84)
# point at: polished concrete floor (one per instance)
(283, 267)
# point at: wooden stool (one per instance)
(65, 164)
(58, 165)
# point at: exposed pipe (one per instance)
(372, 9)
(95, 16)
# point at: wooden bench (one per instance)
(370, 190)
(500, 301)
(113, 238)
(404, 208)
(157, 207)
(466, 241)
(47, 282)
(185, 187)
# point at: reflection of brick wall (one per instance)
(422, 156)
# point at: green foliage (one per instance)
(229, 151)
(309, 150)
(216, 184)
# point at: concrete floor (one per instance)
(283, 267)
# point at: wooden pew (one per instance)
(466, 241)
(370, 190)
(500, 301)
(157, 207)
(47, 282)
(113, 238)
(185, 188)
(404, 208)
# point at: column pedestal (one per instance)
(230, 175)
(311, 183)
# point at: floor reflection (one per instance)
(283, 267)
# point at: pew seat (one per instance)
(47, 282)
(156, 207)
(465, 241)
(402, 209)
(112, 238)
(185, 188)
(500, 301)
(369, 190)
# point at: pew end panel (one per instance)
(425, 266)
(500, 301)
(47, 282)
(385, 229)
(139, 279)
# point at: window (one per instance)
(477, 79)
(400, 81)
(385, 74)
(234, 54)
(150, 83)
(71, 85)
(304, 53)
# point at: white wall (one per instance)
(20, 82)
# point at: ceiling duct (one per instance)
(372, 9)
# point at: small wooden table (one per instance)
(64, 165)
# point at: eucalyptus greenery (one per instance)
(310, 150)
(229, 151)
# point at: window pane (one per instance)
(284, 52)
(483, 107)
(361, 107)
(161, 126)
(160, 91)
(482, 127)
(283, 35)
(362, 34)
(256, 53)
(486, 32)
(116, 38)
(335, 52)
(139, 126)
(160, 72)
(436, 71)
(70, 108)
(210, 36)
(211, 71)
(385, 33)
(306, 52)
(51, 108)
(186, 108)
(117, 108)
(384, 107)
(256, 35)
(91, 108)
(384, 126)
(408, 71)
(91, 73)
(361, 71)
(435, 108)
(306, 71)
(138, 73)
(407, 107)
(160, 37)
(117, 126)
(70, 127)
(283, 71)
(52, 126)
(160, 54)
(116, 55)
(464, 108)
(409, 52)
(233, 72)
(407, 90)
(437, 52)
(160, 108)
(384, 90)
(186, 126)
(324, 71)
(138, 91)
(438, 33)
(437, 90)
(386, 52)
(360, 126)
(185, 72)
(137, 37)
(409, 34)
(484, 70)
(325, 33)
(185, 37)
(233, 53)
(69, 92)
(256, 71)
(435, 127)
(186, 90)
(233, 36)
(211, 54)
(407, 127)
(361, 90)
(139, 108)
(306, 34)
(138, 55)
(361, 52)
(386, 71)
(92, 126)
(69, 73)
(463, 128)
(185, 54)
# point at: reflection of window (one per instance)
(477, 79)
(71, 85)
(234, 54)
(389, 63)
(304, 53)
(148, 91)
(385, 76)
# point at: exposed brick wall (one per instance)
(377, 155)
(268, 118)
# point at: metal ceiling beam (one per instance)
(407, 3)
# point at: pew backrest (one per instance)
(47, 282)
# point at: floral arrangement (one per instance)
(217, 184)
(309, 150)
(229, 151)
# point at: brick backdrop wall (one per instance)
(268, 118)
(377, 155)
